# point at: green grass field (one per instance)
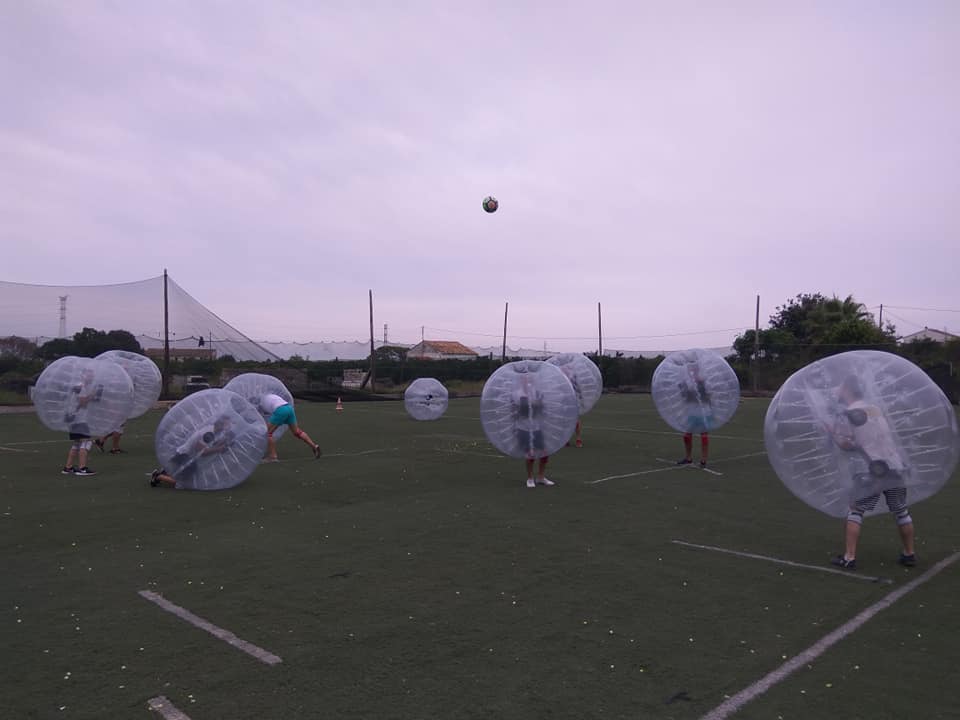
(410, 574)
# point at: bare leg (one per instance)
(529, 468)
(297, 432)
(851, 537)
(70, 456)
(82, 457)
(906, 536)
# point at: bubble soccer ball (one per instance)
(84, 396)
(528, 409)
(425, 399)
(146, 377)
(490, 204)
(695, 391)
(584, 375)
(211, 440)
(853, 426)
(253, 386)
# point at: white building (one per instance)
(930, 334)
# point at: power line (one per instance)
(592, 337)
(905, 307)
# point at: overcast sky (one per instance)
(669, 160)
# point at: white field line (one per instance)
(673, 433)
(691, 465)
(225, 635)
(161, 705)
(361, 452)
(791, 563)
(469, 452)
(733, 704)
(672, 466)
(64, 441)
(10, 449)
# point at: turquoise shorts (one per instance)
(283, 415)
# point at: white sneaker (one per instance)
(531, 483)
(545, 481)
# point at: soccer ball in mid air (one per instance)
(490, 204)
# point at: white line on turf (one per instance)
(673, 432)
(791, 563)
(672, 466)
(733, 704)
(10, 449)
(225, 635)
(161, 705)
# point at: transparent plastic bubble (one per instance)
(584, 375)
(425, 399)
(850, 427)
(695, 391)
(528, 409)
(82, 395)
(211, 440)
(146, 377)
(253, 386)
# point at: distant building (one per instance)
(930, 334)
(440, 350)
(353, 377)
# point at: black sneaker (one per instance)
(685, 461)
(316, 451)
(117, 451)
(907, 560)
(154, 475)
(841, 562)
(68, 470)
(703, 463)
(84, 471)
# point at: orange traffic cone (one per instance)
(339, 405)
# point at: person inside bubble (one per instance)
(572, 377)
(209, 440)
(862, 429)
(693, 390)
(75, 415)
(527, 407)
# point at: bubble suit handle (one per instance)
(85, 396)
(425, 399)
(211, 440)
(528, 409)
(864, 429)
(695, 391)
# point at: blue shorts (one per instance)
(283, 415)
(699, 423)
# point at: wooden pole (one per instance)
(756, 346)
(166, 338)
(503, 354)
(599, 332)
(373, 368)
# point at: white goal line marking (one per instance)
(161, 705)
(734, 703)
(791, 563)
(228, 637)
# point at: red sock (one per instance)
(704, 445)
(688, 443)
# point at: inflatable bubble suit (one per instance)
(254, 386)
(146, 377)
(425, 399)
(528, 409)
(849, 427)
(211, 440)
(695, 391)
(81, 395)
(584, 375)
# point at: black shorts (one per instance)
(79, 436)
